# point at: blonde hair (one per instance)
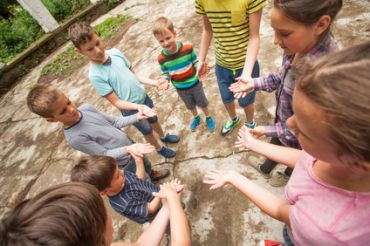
(41, 98)
(161, 25)
(340, 84)
(80, 33)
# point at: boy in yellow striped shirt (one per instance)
(235, 26)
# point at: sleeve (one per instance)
(280, 130)
(90, 147)
(164, 69)
(194, 57)
(199, 9)
(267, 83)
(120, 122)
(255, 5)
(100, 85)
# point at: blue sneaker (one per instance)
(211, 124)
(194, 123)
(251, 125)
(166, 152)
(231, 124)
(169, 138)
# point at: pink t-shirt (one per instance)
(323, 214)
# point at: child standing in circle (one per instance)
(302, 30)
(328, 195)
(179, 63)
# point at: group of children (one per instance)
(321, 130)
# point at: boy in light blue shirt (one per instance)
(113, 78)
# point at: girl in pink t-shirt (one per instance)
(328, 195)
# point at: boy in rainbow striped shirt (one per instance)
(178, 63)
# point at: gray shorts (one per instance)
(193, 96)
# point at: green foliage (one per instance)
(17, 34)
(61, 9)
(109, 28)
(65, 63)
(113, 3)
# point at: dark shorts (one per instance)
(225, 77)
(131, 165)
(193, 96)
(143, 125)
(287, 239)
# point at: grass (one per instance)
(66, 62)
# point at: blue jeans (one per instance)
(131, 165)
(225, 77)
(143, 125)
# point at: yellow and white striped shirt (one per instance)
(230, 25)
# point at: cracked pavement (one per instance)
(35, 155)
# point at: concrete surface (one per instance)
(35, 155)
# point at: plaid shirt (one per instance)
(283, 83)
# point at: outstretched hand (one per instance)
(241, 87)
(202, 71)
(217, 178)
(173, 188)
(245, 139)
(140, 150)
(146, 111)
(162, 84)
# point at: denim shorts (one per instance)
(143, 125)
(225, 77)
(131, 165)
(287, 239)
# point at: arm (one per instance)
(152, 236)
(253, 44)
(269, 203)
(154, 205)
(207, 35)
(118, 103)
(140, 170)
(120, 122)
(284, 155)
(143, 79)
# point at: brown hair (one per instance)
(309, 12)
(339, 84)
(66, 214)
(161, 25)
(80, 33)
(41, 98)
(95, 170)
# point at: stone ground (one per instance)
(35, 155)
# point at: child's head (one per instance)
(87, 42)
(52, 104)
(165, 34)
(331, 108)
(299, 25)
(101, 172)
(66, 214)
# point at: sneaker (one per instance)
(166, 152)
(160, 174)
(211, 124)
(279, 179)
(231, 124)
(170, 138)
(256, 164)
(251, 125)
(194, 123)
(269, 243)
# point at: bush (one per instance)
(61, 9)
(17, 34)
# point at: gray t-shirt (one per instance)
(100, 134)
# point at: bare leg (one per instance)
(152, 140)
(194, 112)
(158, 129)
(206, 111)
(230, 107)
(249, 112)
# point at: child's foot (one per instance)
(269, 243)
(194, 123)
(160, 174)
(251, 125)
(210, 123)
(279, 179)
(231, 124)
(255, 163)
(166, 152)
(170, 138)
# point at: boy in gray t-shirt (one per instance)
(90, 131)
